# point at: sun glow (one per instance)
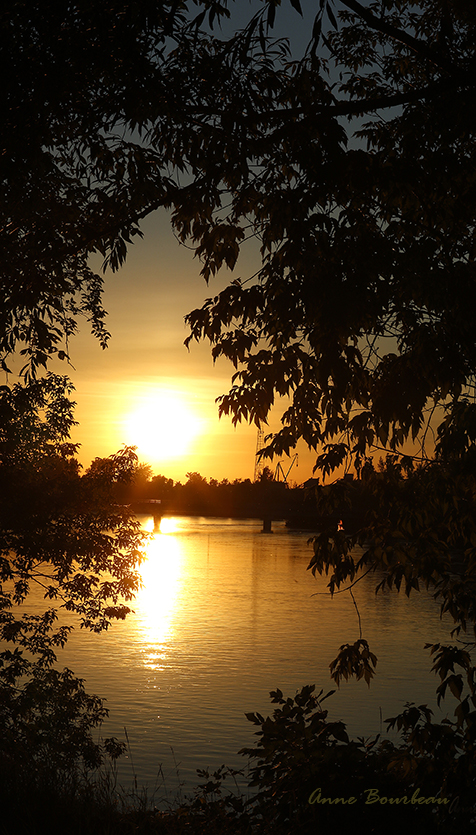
(162, 427)
(168, 525)
(160, 572)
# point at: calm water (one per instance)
(228, 614)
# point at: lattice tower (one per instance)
(258, 462)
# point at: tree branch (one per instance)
(419, 47)
(343, 108)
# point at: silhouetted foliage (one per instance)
(363, 228)
(67, 546)
(358, 311)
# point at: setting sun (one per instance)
(162, 426)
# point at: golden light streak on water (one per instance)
(168, 525)
(157, 599)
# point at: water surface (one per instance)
(226, 615)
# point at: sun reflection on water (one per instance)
(168, 525)
(160, 573)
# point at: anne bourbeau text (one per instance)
(373, 796)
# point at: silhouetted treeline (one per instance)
(345, 503)
(199, 496)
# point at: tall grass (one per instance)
(36, 800)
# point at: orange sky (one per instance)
(147, 362)
(148, 370)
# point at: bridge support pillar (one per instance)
(267, 521)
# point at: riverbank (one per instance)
(305, 776)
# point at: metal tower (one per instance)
(259, 445)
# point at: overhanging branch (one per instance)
(419, 47)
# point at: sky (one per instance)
(147, 389)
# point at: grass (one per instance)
(35, 801)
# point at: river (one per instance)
(226, 615)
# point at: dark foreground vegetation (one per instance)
(304, 776)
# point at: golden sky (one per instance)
(146, 389)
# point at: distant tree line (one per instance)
(209, 497)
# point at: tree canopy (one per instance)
(360, 306)
(359, 309)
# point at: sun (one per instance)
(162, 427)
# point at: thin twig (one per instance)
(348, 588)
(358, 613)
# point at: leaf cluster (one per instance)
(63, 536)
(61, 532)
(414, 526)
(349, 314)
(301, 751)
